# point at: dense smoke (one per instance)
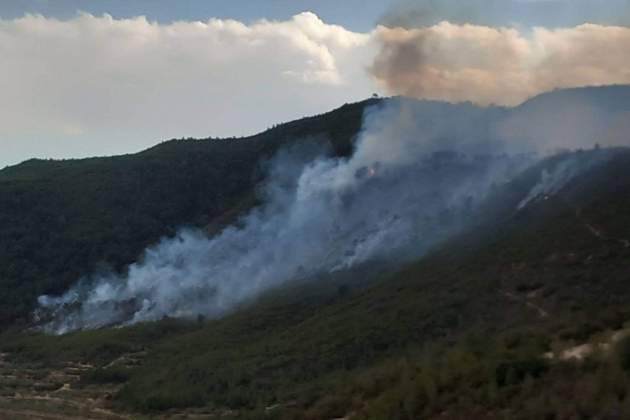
(554, 179)
(412, 181)
(501, 65)
(418, 171)
(500, 51)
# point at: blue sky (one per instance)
(357, 15)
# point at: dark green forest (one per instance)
(62, 220)
(464, 330)
(524, 315)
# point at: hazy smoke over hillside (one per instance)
(412, 181)
(418, 171)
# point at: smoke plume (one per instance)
(498, 65)
(500, 51)
(409, 185)
(417, 174)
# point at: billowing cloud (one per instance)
(95, 85)
(498, 65)
(99, 85)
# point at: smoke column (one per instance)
(418, 171)
(407, 186)
(500, 51)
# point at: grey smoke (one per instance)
(490, 52)
(393, 199)
(414, 179)
(553, 180)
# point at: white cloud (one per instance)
(99, 85)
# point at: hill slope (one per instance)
(481, 326)
(61, 220)
(482, 310)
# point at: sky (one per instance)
(86, 78)
(514, 13)
(356, 15)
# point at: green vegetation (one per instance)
(463, 331)
(524, 316)
(61, 220)
(482, 377)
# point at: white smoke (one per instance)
(409, 185)
(553, 180)
(418, 171)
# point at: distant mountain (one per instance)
(572, 118)
(613, 98)
(63, 220)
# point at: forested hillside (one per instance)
(523, 313)
(61, 220)
(464, 330)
